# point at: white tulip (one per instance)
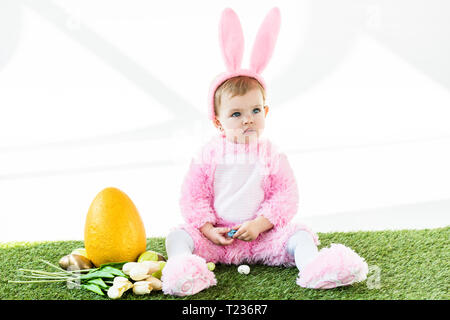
(142, 287)
(143, 269)
(128, 266)
(120, 285)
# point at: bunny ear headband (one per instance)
(231, 39)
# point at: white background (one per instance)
(112, 93)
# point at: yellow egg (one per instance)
(113, 231)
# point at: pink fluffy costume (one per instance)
(229, 183)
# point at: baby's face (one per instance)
(242, 117)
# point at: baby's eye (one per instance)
(236, 114)
(257, 110)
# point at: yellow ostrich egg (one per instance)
(113, 231)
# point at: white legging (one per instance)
(301, 245)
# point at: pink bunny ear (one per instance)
(231, 39)
(265, 41)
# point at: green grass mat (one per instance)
(405, 264)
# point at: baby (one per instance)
(240, 181)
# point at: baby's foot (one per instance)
(333, 267)
(186, 275)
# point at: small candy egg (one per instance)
(231, 233)
(244, 269)
(211, 266)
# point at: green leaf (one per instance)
(117, 265)
(99, 282)
(113, 271)
(94, 288)
(97, 274)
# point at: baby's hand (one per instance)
(217, 235)
(248, 231)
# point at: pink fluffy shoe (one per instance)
(186, 275)
(333, 267)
